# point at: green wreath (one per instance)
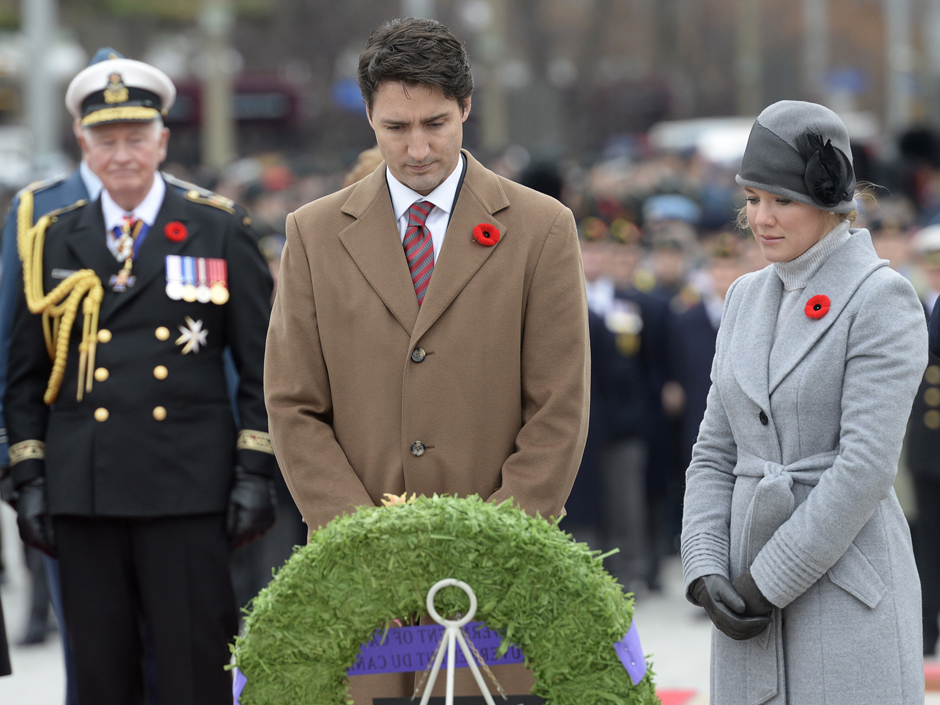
(534, 585)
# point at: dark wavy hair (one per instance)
(415, 51)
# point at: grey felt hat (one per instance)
(801, 151)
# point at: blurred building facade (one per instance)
(561, 78)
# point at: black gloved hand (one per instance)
(726, 607)
(32, 516)
(252, 507)
(755, 604)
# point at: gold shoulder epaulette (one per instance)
(53, 215)
(220, 202)
(198, 194)
(59, 307)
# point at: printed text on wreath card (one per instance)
(407, 649)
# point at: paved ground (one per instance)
(673, 634)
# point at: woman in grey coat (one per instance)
(793, 540)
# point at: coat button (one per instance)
(418, 355)
(763, 417)
(162, 333)
(101, 374)
(160, 372)
(101, 414)
(417, 448)
(159, 413)
(104, 336)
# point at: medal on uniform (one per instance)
(174, 277)
(189, 279)
(203, 294)
(126, 247)
(218, 281)
(192, 336)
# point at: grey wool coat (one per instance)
(792, 477)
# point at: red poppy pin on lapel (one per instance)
(175, 231)
(817, 306)
(486, 234)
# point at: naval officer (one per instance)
(124, 449)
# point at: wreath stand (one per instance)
(453, 635)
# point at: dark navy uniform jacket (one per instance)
(113, 454)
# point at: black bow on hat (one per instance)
(828, 177)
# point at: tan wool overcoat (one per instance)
(483, 389)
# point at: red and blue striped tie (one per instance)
(419, 249)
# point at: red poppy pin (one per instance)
(486, 234)
(175, 231)
(817, 306)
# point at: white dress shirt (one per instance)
(442, 197)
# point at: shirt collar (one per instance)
(92, 183)
(146, 211)
(442, 197)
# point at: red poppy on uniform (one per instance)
(817, 306)
(175, 231)
(486, 234)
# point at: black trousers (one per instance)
(927, 553)
(168, 577)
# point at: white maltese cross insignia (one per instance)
(192, 336)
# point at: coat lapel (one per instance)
(88, 242)
(837, 278)
(753, 335)
(374, 244)
(151, 259)
(461, 256)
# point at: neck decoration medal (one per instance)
(130, 229)
(203, 294)
(189, 279)
(218, 279)
(174, 277)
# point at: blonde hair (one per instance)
(832, 219)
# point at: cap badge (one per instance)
(116, 92)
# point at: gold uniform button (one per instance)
(932, 396)
(101, 414)
(160, 372)
(932, 375)
(932, 419)
(101, 374)
(159, 413)
(104, 336)
(162, 333)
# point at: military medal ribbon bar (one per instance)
(189, 279)
(203, 294)
(201, 279)
(174, 277)
(218, 279)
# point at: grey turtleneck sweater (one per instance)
(799, 270)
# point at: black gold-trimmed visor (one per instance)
(125, 104)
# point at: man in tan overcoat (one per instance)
(430, 329)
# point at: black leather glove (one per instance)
(252, 507)
(32, 516)
(755, 604)
(726, 607)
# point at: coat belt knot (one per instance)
(771, 505)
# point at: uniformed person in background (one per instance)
(923, 449)
(124, 449)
